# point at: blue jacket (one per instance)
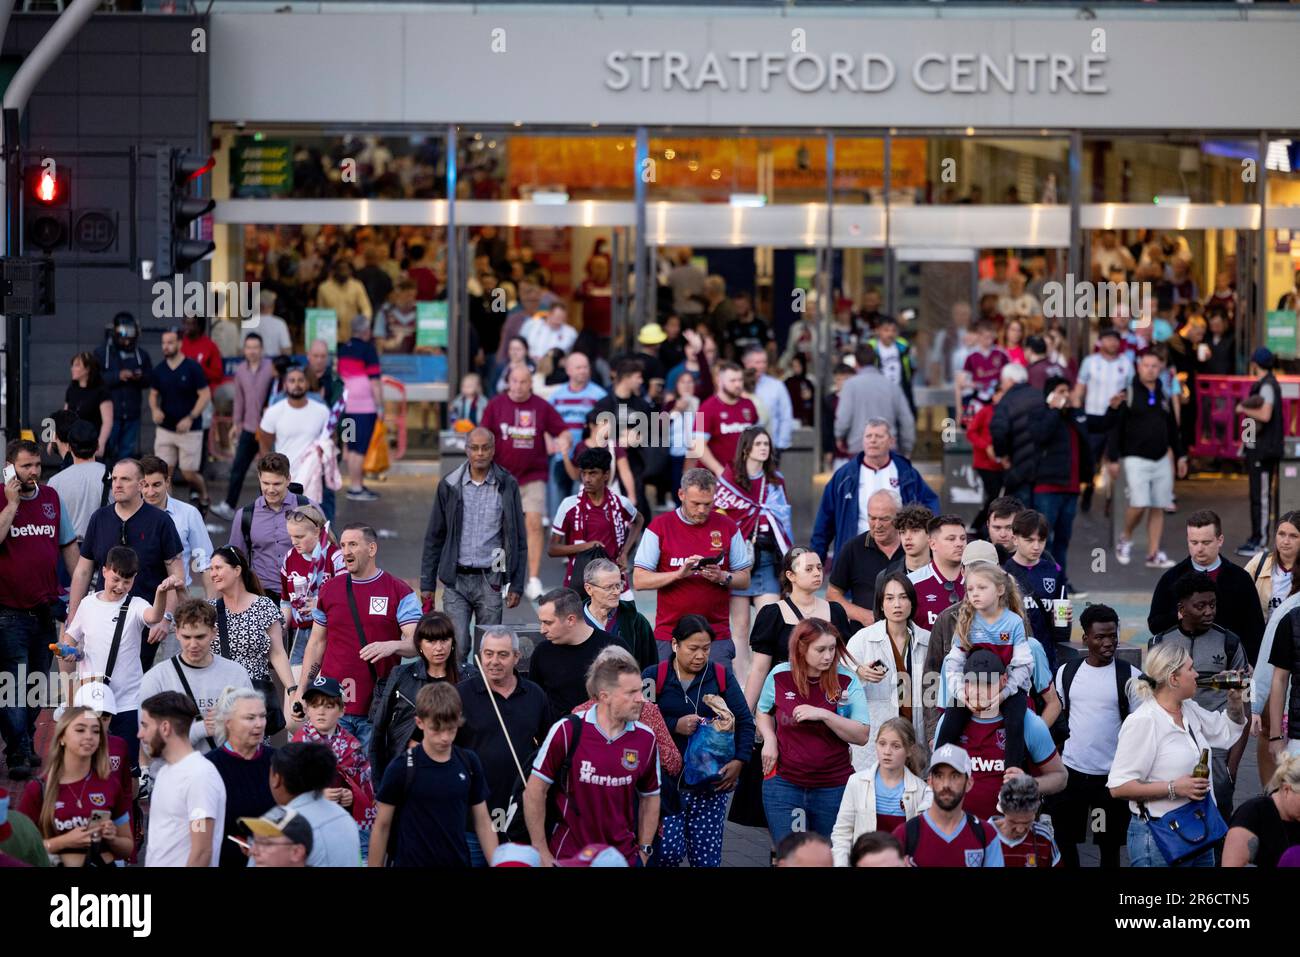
(837, 519)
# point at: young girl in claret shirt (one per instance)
(314, 559)
(991, 616)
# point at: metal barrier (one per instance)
(1218, 425)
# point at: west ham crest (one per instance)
(48, 509)
(630, 759)
(1050, 585)
(715, 539)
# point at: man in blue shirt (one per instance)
(178, 396)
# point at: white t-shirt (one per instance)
(294, 429)
(276, 340)
(1094, 718)
(93, 628)
(891, 363)
(183, 793)
(871, 481)
(542, 337)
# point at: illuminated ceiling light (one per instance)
(970, 131)
(670, 153)
(748, 199)
(550, 197)
(594, 124)
(492, 144)
(715, 174)
(619, 147)
(693, 165)
(478, 137)
(519, 122)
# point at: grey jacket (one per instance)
(442, 540)
(870, 395)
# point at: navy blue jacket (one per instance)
(837, 518)
(675, 702)
(1050, 430)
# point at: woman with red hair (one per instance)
(810, 710)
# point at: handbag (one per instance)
(376, 459)
(274, 712)
(1188, 831)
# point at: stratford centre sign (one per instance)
(988, 67)
(839, 71)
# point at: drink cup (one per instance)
(1061, 612)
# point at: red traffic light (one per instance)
(46, 187)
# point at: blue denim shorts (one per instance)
(762, 575)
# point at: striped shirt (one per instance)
(480, 533)
(574, 406)
(1103, 378)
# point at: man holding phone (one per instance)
(693, 556)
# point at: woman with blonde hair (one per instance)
(887, 793)
(1160, 745)
(78, 803)
(1264, 827)
(243, 760)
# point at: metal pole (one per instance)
(642, 275)
(1259, 274)
(890, 306)
(1074, 254)
(457, 341)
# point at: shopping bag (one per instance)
(376, 461)
(707, 752)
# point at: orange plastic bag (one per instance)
(376, 461)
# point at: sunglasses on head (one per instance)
(300, 516)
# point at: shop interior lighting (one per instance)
(1171, 200)
(748, 199)
(1279, 156)
(550, 197)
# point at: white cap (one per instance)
(97, 696)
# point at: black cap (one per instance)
(984, 662)
(329, 687)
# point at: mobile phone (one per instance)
(711, 560)
(100, 817)
(877, 663)
(10, 474)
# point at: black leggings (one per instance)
(954, 719)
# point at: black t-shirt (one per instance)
(178, 389)
(431, 815)
(150, 533)
(1260, 816)
(771, 632)
(856, 566)
(741, 335)
(1283, 654)
(527, 716)
(248, 794)
(561, 670)
(85, 400)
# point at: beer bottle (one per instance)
(1224, 682)
(1202, 769)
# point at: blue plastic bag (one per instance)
(707, 752)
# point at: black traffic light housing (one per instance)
(179, 173)
(46, 188)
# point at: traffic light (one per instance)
(178, 174)
(46, 206)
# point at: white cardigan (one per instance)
(872, 644)
(858, 808)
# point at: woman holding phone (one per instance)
(78, 804)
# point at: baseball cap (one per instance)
(651, 334)
(97, 696)
(596, 855)
(984, 662)
(6, 829)
(1263, 357)
(516, 855)
(979, 551)
(951, 755)
(280, 822)
(329, 687)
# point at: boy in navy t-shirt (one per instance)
(429, 795)
(1042, 581)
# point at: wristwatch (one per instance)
(168, 616)
(646, 849)
(727, 582)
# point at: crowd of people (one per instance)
(892, 693)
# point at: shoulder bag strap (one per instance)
(180, 673)
(223, 629)
(793, 607)
(1067, 678)
(361, 632)
(117, 640)
(246, 525)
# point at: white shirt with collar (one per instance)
(871, 481)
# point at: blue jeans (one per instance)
(476, 858)
(25, 637)
(1144, 852)
(791, 808)
(696, 831)
(359, 726)
(245, 453)
(1059, 509)
(123, 440)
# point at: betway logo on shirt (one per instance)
(587, 775)
(733, 428)
(32, 531)
(997, 765)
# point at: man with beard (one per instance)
(187, 808)
(945, 834)
(722, 417)
(1213, 650)
(292, 426)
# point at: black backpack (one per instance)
(1123, 672)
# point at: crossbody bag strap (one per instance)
(361, 632)
(180, 673)
(117, 640)
(223, 629)
(793, 607)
